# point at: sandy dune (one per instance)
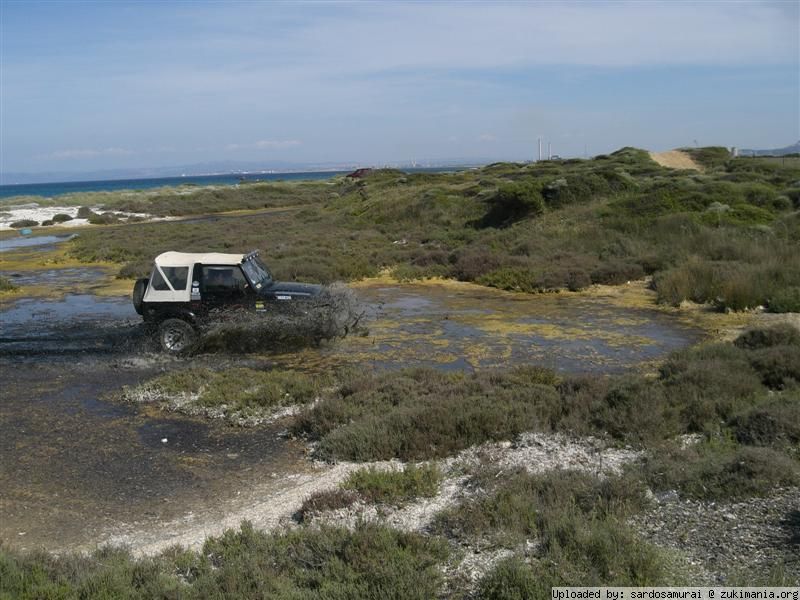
(675, 159)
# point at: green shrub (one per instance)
(578, 280)
(370, 562)
(413, 273)
(612, 218)
(575, 189)
(514, 279)
(785, 300)
(778, 366)
(512, 202)
(6, 285)
(247, 387)
(470, 265)
(512, 579)
(420, 414)
(745, 214)
(615, 272)
(518, 499)
(728, 284)
(577, 519)
(709, 156)
(711, 471)
(135, 270)
(333, 499)
(394, 487)
(767, 337)
(61, 218)
(635, 411)
(774, 424)
(106, 218)
(508, 515)
(706, 385)
(236, 388)
(24, 223)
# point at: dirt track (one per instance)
(675, 159)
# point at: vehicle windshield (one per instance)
(256, 272)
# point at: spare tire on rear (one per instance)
(139, 288)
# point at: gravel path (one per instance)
(747, 538)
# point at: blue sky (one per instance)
(96, 85)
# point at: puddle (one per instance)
(468, 327)
(72, 324)
(8, 244)
(57, 277)
(73, 465)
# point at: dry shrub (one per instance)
(325, 500)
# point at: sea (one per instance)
(50, 190)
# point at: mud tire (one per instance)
(139, 289)
(177, 336)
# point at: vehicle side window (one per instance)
(178, 276)
(223, 279)
(157, 281)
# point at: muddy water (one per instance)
(76, 468)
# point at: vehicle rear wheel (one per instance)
(177, 336)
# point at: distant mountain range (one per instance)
(793, 149)
(216, 168)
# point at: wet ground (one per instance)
(459, 326)
(8, 244)
(76, 467)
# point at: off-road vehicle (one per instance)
(185, 292)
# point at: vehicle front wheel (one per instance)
(177, 336)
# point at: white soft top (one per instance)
(187, 259)
(169, 264)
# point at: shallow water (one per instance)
(75, 465)
(75, 323)
(467, 327)
(65, 277)
(16, 243)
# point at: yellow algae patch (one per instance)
(32, 259)
(633, 295)
(8, 296)
(114, 287)
(102, 283)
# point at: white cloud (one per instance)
(401, 35)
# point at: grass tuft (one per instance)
(394, 487)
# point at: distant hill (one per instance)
(793, 149)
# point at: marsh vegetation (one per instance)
(726, 236)
(716, 423)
